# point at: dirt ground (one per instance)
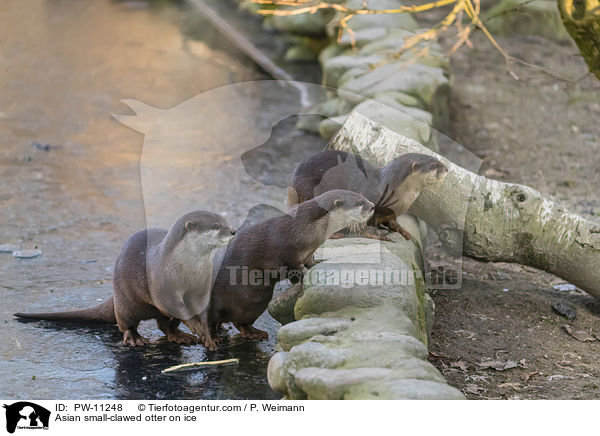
(498, 337)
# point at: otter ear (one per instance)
(337, 203)
(339, 160)
(190, 225)
(413, 167)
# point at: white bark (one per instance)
(487, 219)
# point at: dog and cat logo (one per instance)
(26, 415)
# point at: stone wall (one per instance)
(357, 334)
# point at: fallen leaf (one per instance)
(558, 377)
(580, 335)
(473, 389)
(571, 355)
(564, 365)
(461, 364)
(515, 386)
(499, 365)
(434, 355)
(528, 376)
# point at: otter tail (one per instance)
(101, 314)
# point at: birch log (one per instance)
(486, 219)
(582, 21)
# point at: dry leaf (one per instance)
(434, 355)
(461, 364)
(580, 335)
(473, 389)
(499, 365)
(515, 386)
(528, 376)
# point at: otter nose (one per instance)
(232, 230)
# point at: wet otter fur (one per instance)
(392, 188)
(159, 274)
(260, 255)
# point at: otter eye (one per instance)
(216, 227)
(360, 203)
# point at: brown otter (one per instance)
(262, 254)
(158, 275)
(392, 188)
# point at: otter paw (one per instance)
(252, 332)
(134, 339)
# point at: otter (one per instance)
(159, 274)
(392, 188)
(262, 254)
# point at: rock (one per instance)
(403, 390)
(250, 7)
(565, 310)
(335, 67)
(318, 299)
(283, 366)
(27, 254)
(301, 331)
(309, 122)
(395, 97)
(359, 337)
(334, 107)
(399, 99)
(282, 306)
(276, 374)
(413, 123)
(303, 24)
(420, 81)
(377, 53)
(397, 354)
(390, 43)
(384, 103)
(331, 384)
(330, 51)
(300, 53)
(363, 36)
(388, 21)
(329, 127)
(383, 323)
(395, 40)
(537, 17)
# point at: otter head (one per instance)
(427, 169)
(206, 228)
(345, 209)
